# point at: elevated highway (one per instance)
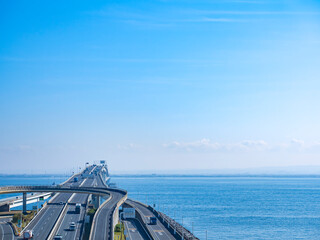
(46, 219)
(135, 230)
(72, 189)
(157, 231)
(107, 215)
(57, 215)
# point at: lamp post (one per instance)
(192, 227)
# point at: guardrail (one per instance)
(143, 221)
(173, 226)
(58, 222)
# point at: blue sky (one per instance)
(159, 85)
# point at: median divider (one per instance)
(58, 222)
(115, 214)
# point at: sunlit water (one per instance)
(234, 207)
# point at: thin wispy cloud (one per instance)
(184, 16)
(248, 2)
(206, 144)
(228, 12)
(212, 20)
(173, 18)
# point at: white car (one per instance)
(72, 226)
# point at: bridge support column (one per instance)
(96, 201)
(24, 203)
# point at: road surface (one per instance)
(159, 230)
(43, 223)
(72, 216)
(134, 230)
(6, 232)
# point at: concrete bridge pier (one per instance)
(96, 201)
(24, 203)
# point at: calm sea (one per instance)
(234, 207)
(225, 207)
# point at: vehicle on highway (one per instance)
(61, 203)
(72, 226)
(57, 237)
(75, 179)
(153, 221)
(78, 207)
(28, 234)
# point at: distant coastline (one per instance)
(173, 175)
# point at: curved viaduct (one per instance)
(26, 189)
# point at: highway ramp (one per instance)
(158, 231)
(102, 226)
(134, 230)
(102, 223)
(6, 232)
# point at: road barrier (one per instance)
(115, 214)
(174, 227)
(143, 221)
(58, 222)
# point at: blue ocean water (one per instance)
(234, 207)
(225, 207)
